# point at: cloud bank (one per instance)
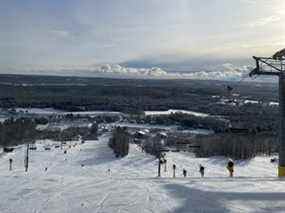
(226, 71)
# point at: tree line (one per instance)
(236, 145)
(190, 121)
(17, 131)
(23, 130)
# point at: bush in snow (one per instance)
(119, 142)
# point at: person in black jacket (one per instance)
(184, 173)
(202, 170)
(230, 167)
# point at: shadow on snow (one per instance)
(195, 200)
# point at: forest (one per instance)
(24, 130)
(125, 95)
(134, 96)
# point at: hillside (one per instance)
(79, 181)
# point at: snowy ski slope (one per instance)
(131, 185)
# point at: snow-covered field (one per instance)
(51, 111)
(143, 126)
(168, 112)
(132, 185)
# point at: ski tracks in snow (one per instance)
(131, 187)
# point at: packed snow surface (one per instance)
(80, 181)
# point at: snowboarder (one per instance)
(202, 170)
(185, 173)
(10, 164)
(230, 167)
(174, 168)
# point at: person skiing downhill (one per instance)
(202, 170)
(230, 167)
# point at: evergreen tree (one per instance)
(119, 142)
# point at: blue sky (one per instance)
(171, 34)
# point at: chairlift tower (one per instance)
(275, 66)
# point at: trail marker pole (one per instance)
(159, 167)
(27, 158)
(10, 164)
(174, 170)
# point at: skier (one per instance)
(174, 168)
(10, 164)
(230, 167)
(184, 172)
(202, 170)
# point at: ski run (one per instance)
(88, 178)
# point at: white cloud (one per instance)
(265, 21)
(226, 71)
(121, 70)
(59, 33)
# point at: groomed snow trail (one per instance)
(79, 181)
